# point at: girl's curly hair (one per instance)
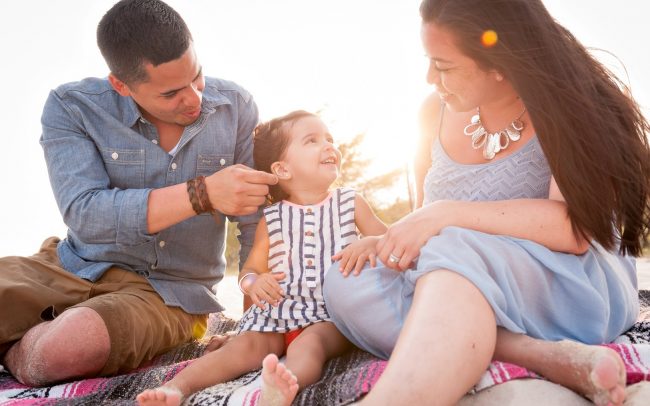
(270, 142)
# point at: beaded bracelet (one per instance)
(248, 280)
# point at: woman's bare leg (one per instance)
(241, 354)
(306, 357)
(595, 372)
(446, 344)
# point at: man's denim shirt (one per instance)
(103, 160)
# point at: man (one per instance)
(144, 165)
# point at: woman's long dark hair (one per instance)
(592, 132)
(270, 142)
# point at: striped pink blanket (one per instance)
(345, 379)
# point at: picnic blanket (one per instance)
(345, 379)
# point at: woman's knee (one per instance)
(335, 288)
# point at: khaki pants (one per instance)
(36, 289)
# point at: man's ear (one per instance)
(119, 86)
(280, 170)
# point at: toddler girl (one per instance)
(307, 224)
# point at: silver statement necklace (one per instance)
(493, 143)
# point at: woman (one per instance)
(536, 202)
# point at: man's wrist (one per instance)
(198, 194)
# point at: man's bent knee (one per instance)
(75, 344)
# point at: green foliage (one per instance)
(353, 165)
(395, 211)
(353, 174)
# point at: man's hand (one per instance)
(238, 190)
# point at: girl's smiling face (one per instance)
(311, 160)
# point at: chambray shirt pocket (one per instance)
(125, 167)
(207, 164)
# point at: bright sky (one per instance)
(360, 61)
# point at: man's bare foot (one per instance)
(161, 396)
(279, 385)
(595, 372)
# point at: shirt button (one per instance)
(161, 244)
(155, 141)
(310, 262)
(309, 210)
(222, 162)
(174, 166)
(114, 155)
(309, 234)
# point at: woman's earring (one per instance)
(499, 77)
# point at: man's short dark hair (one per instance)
(135, 32)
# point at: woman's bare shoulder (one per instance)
(430, 114)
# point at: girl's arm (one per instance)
(256, 265)
(366, 220)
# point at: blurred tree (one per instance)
(395, 211)
(353, 174)
(232, 249)
(374, 189)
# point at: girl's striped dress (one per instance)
(302, 240)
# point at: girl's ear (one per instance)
(280, 170)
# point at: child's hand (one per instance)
(266, 288)
(355, 255)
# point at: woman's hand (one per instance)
(401, 244)
(266, 288)
(355, 255)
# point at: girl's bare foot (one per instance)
(161, 396)
(595, 372)
(279, 385)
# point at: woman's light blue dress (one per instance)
(590, 298)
